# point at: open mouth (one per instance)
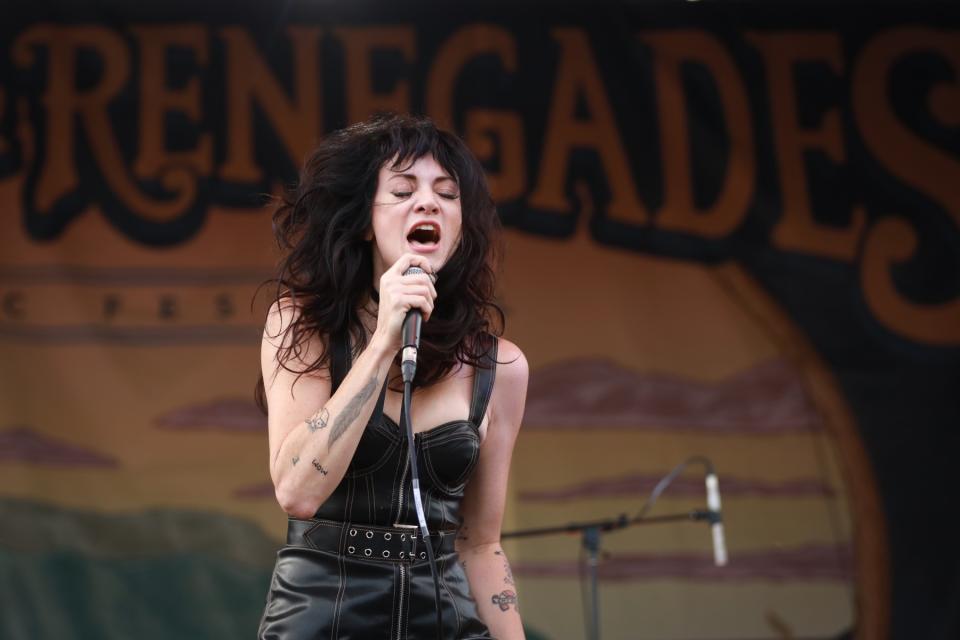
(426, 233)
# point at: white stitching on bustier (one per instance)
(335, 627)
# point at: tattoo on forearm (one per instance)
(352, 410)
(296, 459)
(506, 567)
(505, 599)
(319, 466)
(316, 422)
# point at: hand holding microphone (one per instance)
(407, 296)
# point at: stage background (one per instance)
(731, 230)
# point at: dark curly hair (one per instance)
(327, 270)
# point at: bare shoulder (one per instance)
(511, 363)
(281, 315)
(278, 339)
(510, 386)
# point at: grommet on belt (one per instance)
(383, 544)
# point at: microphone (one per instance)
(411, 336)
(716, 519)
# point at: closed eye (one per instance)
(450, 196)
(402, 194)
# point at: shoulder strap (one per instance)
(483, 378)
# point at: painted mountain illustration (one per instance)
(22, 444)
(635, 484)
(225, 414)
(767, 398)
(814, 562)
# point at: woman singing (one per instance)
(374, 200)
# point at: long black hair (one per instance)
(327, 268)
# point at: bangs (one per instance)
(406, 145)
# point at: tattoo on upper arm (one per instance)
(296, 459)
(505, 599)
(319, 466)
(352, 410)
(318, 421)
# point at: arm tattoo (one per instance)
(319, 467)
(506, 567)
(296, 459)
(352, 410)
(315, 422)
(504, 599)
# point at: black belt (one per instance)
(401, 543)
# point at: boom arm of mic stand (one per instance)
(610, 524)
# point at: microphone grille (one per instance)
(412, 271)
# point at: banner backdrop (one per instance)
(730, 231)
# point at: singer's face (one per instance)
(416, 209)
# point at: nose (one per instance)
(426, 201)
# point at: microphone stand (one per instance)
(591, 531)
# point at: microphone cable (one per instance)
(418, 502)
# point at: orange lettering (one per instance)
(156, 99)
(360, 43)
(577, 74)
(249, 80)
(485, 128)
(797, 229)
(679, 213)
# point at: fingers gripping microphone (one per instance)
(411, 336)
(716, 520)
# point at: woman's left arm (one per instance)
(478, 543)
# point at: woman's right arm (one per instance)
(312, 434)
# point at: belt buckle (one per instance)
(413, 537)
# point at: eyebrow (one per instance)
(410, 176)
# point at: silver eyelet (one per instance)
(387, 536)
(402, 555)
(423, 555)
(367, 552)
(403, 536)
(353, 532)
(369, 534)
(351, 549)
(386, 554)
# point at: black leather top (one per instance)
(376, 488)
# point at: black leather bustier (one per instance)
(376, 487)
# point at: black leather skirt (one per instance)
(347, 581)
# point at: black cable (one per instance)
(669, 478)
(418, 503)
